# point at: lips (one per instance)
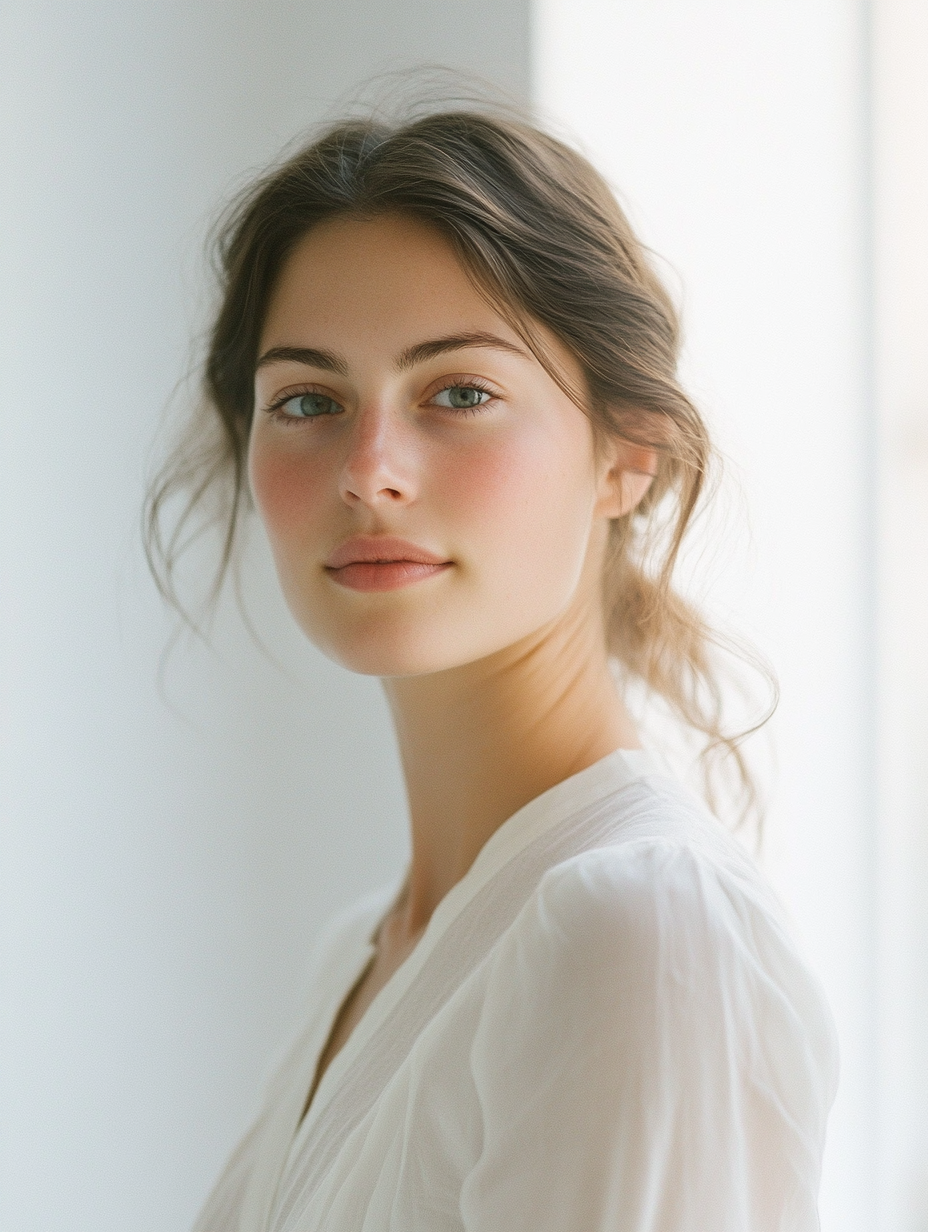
(381, 548)
(382, 563)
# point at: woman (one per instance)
(445, 371)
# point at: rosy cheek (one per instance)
(285, 487)
(495, 486)
(476, 479)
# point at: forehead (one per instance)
(371, 277)
(369, 288)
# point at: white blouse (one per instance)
(604, 1026)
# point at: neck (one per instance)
(479, 741)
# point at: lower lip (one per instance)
(384, 574)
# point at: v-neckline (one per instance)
(371, 949)
(290, 1129)
(611, 772)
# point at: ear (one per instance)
(627, 475)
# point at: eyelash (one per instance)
(275, 412)
(471, 383)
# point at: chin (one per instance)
(391, 648)
(395, 658)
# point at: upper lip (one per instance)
(380, 548)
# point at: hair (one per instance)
(544, 240)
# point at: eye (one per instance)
(307, 406)
(462, 397)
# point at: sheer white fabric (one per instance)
(605, 1026)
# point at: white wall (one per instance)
(738, 136)
(164, 868)
(900, 42)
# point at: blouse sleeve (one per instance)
(652, 1056)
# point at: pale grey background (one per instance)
(165, 870)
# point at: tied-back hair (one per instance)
(544, 239)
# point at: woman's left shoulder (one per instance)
(668, 867)
(658, 886)
(649, 1028)
(680, 915)
(641, 948)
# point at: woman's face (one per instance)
(393, 403)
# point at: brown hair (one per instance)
(543, 237)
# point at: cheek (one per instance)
(286, 488)
(475, 482)
(519, 496)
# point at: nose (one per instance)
(377, 468)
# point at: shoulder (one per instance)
(646, 913)
(670, 922)
(630, 892)
(667, 867)
(649, 1027)
(655, 960)
(653, 888)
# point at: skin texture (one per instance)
(495, 667)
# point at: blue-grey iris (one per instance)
(317, 404)
(463, 396)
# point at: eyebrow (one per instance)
(331, 361)
(454, 342)
(313, 358)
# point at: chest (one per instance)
(399, 1164)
